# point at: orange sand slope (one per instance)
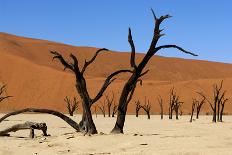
(35, 80)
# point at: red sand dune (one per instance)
(35, 80)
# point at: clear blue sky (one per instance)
(201, 26)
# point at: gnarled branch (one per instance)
(58, 56)
(175, 46)
(68, 120)
(87, 63)
(131, 42)
(107, 82)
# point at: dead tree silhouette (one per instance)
(72, 106)
(194, 103)
(137, 108)
(199, 105)
(86, 123)
(147, 108)
(218, 101)
(103, 109)
(137, 73)
(115, 109)
(109, 102)
(2, 90)
(160, 101)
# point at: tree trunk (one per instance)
(122, 107)
(198, 112)
(177, 113)
(109, 110)
(218, 112)
(148, 115)
(221, 112)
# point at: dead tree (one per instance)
(137, 108)
(109, 102)
(27, 125)
(72, 106)
(172, 101)
(177, 106)
(65, 118)
(198, 106)
(115, 109)
(194, 103)
(160, 101)
(218, 99)
(223, 101)
(147, 108)
(137, 73)
(2, 90)
(103, 109)
(86, 123)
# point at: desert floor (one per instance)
(142, 136)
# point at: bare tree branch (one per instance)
(87, 63)
(107, 82)
(58, 56)
(132, 59)
(68, 120)
(175, 46)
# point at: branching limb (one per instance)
(87, 63)
(174, 46)
(58, 56)
(107, 82)
(131, 42)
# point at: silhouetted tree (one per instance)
(223, 101)
(218, 99)
(86, 123)
(109, 102)
(137, 108)
(2, 90)
(193, 108)
(199, 105)
(130, 85)
(147, 108)
(115, 109)
(72, 106)
(103, 109)
(160, 101)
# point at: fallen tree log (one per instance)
(27, 125)
(68, 120)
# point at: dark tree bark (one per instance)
(160, 101)
(81, 86)
(218, 97)
(68, 120)
(115, 109)
(27, 125)
(174, 103)
(137, 108)
(130, 85)
(194, 103)
(72, 106)
(103, 109)
(198, 106)
(147, 108)
(2, 90)
(109, 102)
(223, 101)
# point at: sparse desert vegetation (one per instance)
(142, 103)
